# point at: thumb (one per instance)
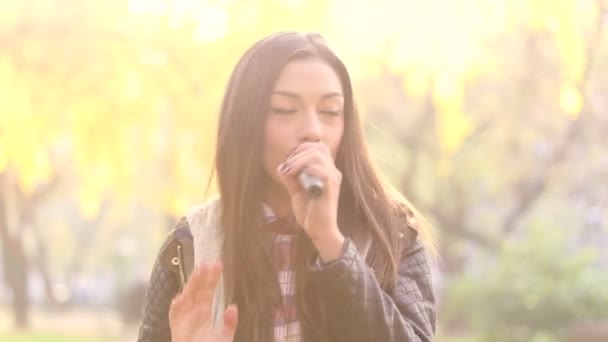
(231, 319)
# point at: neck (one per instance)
(278, 199)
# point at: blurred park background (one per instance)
(491, 116)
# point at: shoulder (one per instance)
(412, 227)
(404, 221)
(205, 213)
(205, 224)
(199, 220)
(168, 256)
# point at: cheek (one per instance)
(337, 139)
(274, 142)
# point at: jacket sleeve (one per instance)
(163, 286)
(359, 310)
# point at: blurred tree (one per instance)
(483, 135)
(540, 299)
(14, 264)
(495, 142)
(119, 99)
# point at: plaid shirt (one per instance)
(286, 322)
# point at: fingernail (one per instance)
(284, 168)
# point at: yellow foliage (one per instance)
(177, 205)
(416, 82)
(3, 155)
(131, 86)
(89, 202)
(453, 125)
(566, 20)
(34, 170)
(22, 144)
(96, 181)
(571, 101)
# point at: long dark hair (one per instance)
(366, 207)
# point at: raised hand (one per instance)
(190, 312)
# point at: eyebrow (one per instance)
(296, 96)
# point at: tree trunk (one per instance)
(15, 268)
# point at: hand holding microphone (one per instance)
(312, 184)
(313, 181)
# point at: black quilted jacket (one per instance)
(359, 309)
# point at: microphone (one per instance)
(312, 184)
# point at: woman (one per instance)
(346, 265)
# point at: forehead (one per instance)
(311, 75)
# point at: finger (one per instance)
(175, 309)
(288, 172)
(214, 275)
(318, 171)
(199, 291)
(305, 160)
(207, 289)
(231, 319)
(289, 182)
(326, 178)
(201, 314)
(311, 145)
(321, 148)
(195, 282)
(302, 158)
(203, 293)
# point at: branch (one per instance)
(450, 224)
(454, 228)
(534, 187)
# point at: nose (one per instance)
(310, 127)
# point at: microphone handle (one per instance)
(313, 185)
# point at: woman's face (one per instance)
(306, 104)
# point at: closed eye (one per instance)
(331, 112)
(282, 110)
